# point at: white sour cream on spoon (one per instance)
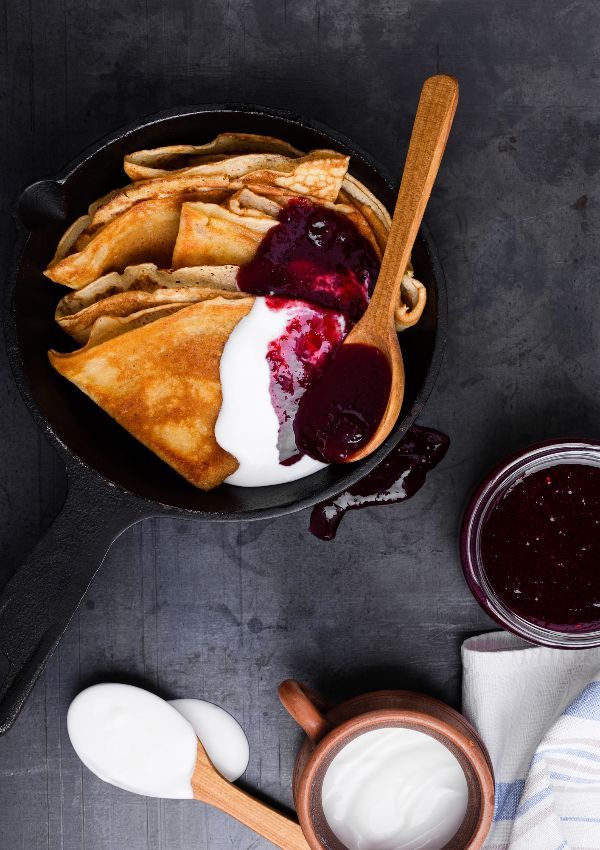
(137, 741)
(222, 736)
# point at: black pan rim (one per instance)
(76, 465)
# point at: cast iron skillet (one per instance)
(113, 481)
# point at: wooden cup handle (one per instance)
(306, 707)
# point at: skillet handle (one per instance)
(40, 599)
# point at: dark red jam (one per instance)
(395, 479)
(316, 254)
(339, 413)
(541, 547)
(296, 359)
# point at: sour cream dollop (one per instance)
(222, 736)
(137, 741)
(247, 426)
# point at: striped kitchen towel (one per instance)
(538, 712)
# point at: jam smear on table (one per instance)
(315, 254)
(339, 413)
(541, 547)
(296, 359)
(395, 479)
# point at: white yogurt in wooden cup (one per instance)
(390, 770)
(394, 789)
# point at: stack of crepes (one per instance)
(154, 268)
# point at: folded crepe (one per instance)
(356, 193)
(107, 327)
(206, 179)
(146, 277)
(80, 324)
(144, 233)
(161, 382)
(319, 173)
(211, 235)
(158, 162)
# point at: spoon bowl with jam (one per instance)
(530, 544)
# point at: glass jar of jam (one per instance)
(530, 544)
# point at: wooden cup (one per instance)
(330, 728)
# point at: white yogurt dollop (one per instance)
(137, 741)
(247, 425)
(134, 740)
(222, 736)
(394, 789)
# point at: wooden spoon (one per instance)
(433, 120)
(212, 788)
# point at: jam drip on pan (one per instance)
(395, 479)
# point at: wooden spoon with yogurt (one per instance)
(350, 411)
(210, 787)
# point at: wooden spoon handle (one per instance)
(437, 105)
(277, 828)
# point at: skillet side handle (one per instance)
(40, 599)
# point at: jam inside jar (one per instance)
(541, 547)
(530, 544)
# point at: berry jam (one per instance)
(339, 413)
(316, 254)
(395, 479)
(296, 359)
(541, 547)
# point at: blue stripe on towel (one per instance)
(581, 819)
(533, 801)
(508, 795)
(565, 751)
(566, 777)
(587, 704)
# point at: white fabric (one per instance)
(538, 712)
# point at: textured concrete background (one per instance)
(226, 612)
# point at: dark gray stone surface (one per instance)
(224, 611)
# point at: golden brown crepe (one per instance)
(210, 181)
(413, 297)
(146, 232)
(211, 235)
(108, 327)
(158, 162)
(354, 192)
(255, 204)
(161, 383)
(79, 325)
(320, 173)
(146, 277)
(69, 238)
